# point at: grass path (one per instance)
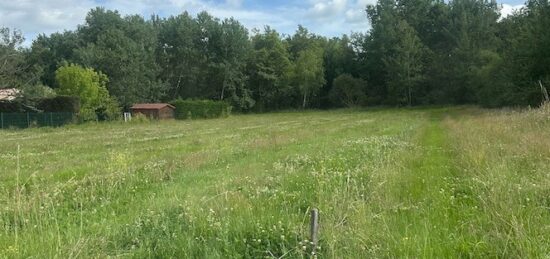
(435, 213)
(423, 218)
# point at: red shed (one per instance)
(160, 111)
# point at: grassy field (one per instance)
(421, 183)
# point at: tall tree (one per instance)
(404, 64)
(178, 55)
(125, 50)
(11, 59)
(269, 69)
(308, 74)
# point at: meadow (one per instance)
(457, 182)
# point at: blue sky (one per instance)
(324, 17)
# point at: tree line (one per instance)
(418, 52)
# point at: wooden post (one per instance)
(544, 92)
(314, 228)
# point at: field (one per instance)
(422, 183)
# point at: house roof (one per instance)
(9, 94)
(151, 106)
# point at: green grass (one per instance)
(420, 183)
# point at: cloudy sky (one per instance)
(325, 17)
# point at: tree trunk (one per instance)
(305, 100)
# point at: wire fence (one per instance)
(27, 120)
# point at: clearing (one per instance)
(431, 183)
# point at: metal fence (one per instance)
(27, 120)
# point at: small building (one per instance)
(159, 111)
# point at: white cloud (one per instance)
(509, 9)
(323, 9)
(34, 17)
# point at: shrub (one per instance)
(10, 107)
(200, 109)
(91, 87)
(60, 104)
(348, 90)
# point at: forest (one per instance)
(417, 52)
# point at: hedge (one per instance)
(60, 103)
(200, 109)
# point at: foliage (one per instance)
(11, 60)
(404, 64)
(200, 109)
(349, 91)
(6, 106)
(269, 69)
(123, 49)
(33, 92)
(308, 73)
(60, 104)
(90, 87)
(417, 52)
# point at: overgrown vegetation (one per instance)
(433, 183)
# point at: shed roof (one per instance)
(151, 106)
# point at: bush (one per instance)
(348, 90)
(200, 109)
(10, 107)
(60, 104)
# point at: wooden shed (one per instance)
(159, 111)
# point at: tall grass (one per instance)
(460, 182)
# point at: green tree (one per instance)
(90, 87)
(340, 58)
(269, 69)
(48, 53)
(348, 90)
(125, 50)
(308, 74)
(179, 56)
(235, 50)
(11, 59)
(404, 64)
(378, 45)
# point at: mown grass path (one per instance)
(423, 220)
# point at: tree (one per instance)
(90, 87)
(308, 74)
(269, 69)
(235, 50)
(340, 58)
(378, 44)
(404, 64)
(11, 59)
(124, 49)
(348, 90)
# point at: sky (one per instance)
(324, 17)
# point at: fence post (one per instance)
(2, 120)
(314, 229)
